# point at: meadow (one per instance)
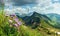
(10, 28)
(11, 25)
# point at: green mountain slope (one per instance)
(36, 19)
(55, 18)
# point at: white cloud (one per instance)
(47, 7)
(14, 10)
(43, 6)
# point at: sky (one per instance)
(28, 6)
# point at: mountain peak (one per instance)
(36, 14)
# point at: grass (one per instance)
(29, 32)
(6, 30)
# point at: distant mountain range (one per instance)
(54, 16)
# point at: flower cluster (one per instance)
(17, 24)
(13, 15)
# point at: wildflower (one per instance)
(12, 15)
(15, 25)
(16, 20)
(19, 23)
(58, 32)
(10, 21)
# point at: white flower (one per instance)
(16, 25)
(58, 32)
(10, 21)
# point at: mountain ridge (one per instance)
(35, 19)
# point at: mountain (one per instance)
(55, 18)
(36, 19)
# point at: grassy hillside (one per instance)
(55, 18)
(7, 30)
(10, 27)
